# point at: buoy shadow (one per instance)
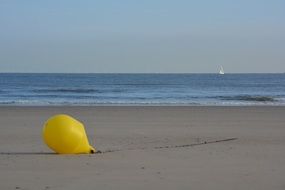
(27, 153)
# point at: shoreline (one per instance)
(140, 105)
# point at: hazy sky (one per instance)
(142, 35)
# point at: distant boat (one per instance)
(221, 72)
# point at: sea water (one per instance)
(142, 89)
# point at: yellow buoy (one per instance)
(66, 135)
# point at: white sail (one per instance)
(221, 71)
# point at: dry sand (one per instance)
(129, 136)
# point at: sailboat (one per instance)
(221, 72)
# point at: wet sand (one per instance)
(166, 147)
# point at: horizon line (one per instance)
(139, 73)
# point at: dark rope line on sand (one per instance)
(109, 151)
(170, 146)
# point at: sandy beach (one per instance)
(166, 147)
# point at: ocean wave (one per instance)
(65, 90)
(249, 98)
(85, 102)
(77, 90)
(89, 102)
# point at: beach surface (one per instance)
(148, 147)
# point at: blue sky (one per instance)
(142, 36)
